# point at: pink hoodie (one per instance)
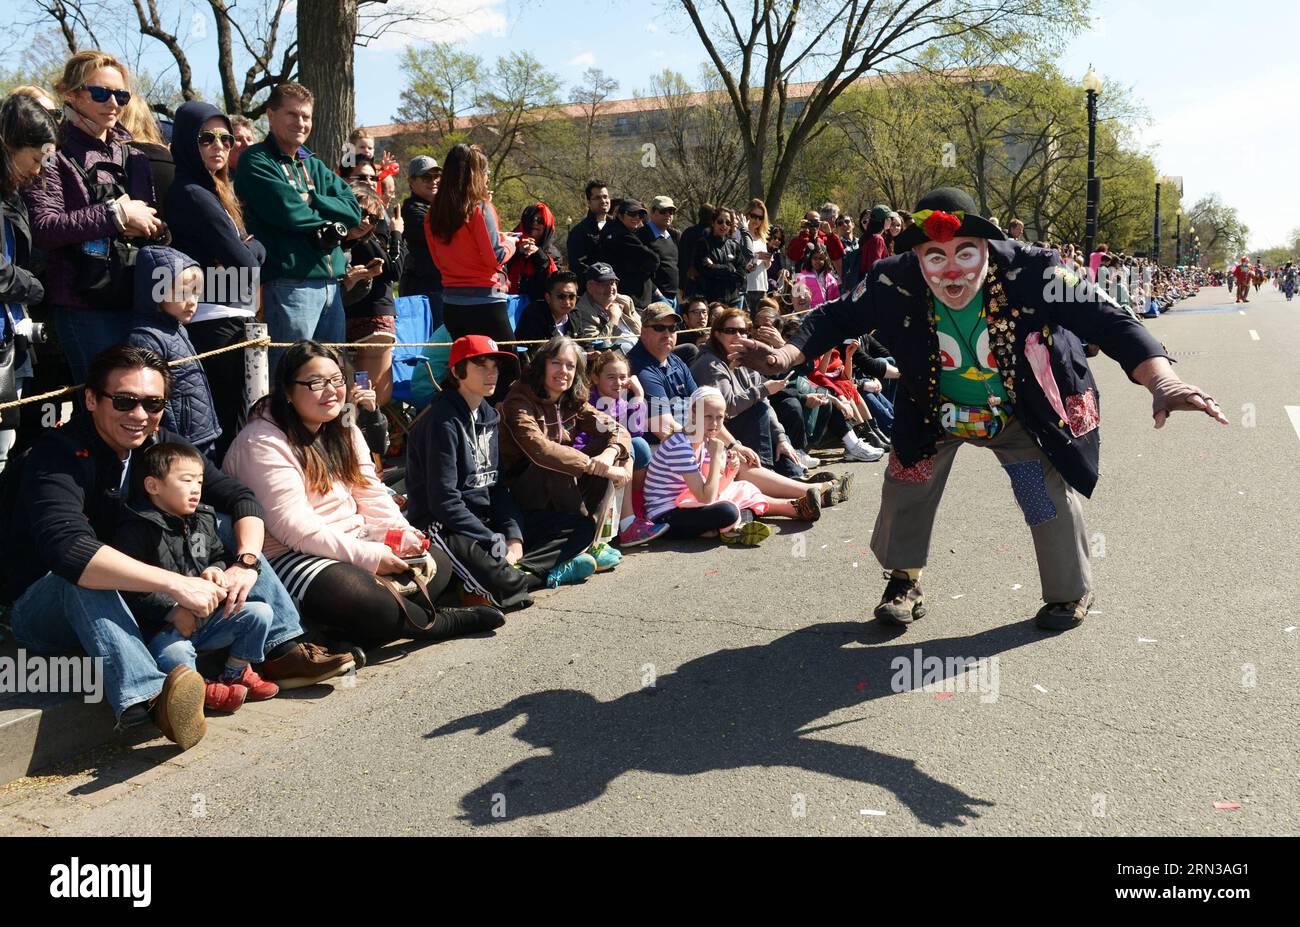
(309, 522)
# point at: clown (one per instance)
(991, 354)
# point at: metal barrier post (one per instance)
(257, 372)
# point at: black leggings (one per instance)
(693, 522)
(491, 319)
(350, 603)
(225, 374)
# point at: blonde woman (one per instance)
(756, 282)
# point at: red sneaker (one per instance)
(259, 689)
(221, 697)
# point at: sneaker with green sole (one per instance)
(750, 534)
(575, 571)
(606, 557)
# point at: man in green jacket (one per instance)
(298, 208)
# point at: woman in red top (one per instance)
(468, 248)
(535, 256)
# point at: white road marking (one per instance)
(1241, 311)
(1293, 412)
(1040, 688)
(1254, 335)
(1146, 640)
(872, 812)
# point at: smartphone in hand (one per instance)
(362, 379)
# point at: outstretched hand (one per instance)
(747, 352)
(1176, 396)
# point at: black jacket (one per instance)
(453, 475)
(18, 284)
(721, 263)
(633, 260)
(667, 274)
(374, 297)
(420, 276)
(185, 546)
(1040, 296)
(200, 225)
(580, 248)
(686, 254)
(537, 324)
(60, 502)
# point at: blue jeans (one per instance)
(302, 309)
(54, 616)
(244, 632)
(83, 333)
(641, 453)
(881, 410)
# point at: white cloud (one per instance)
(444, 21)
(651, 27)
(584, 60)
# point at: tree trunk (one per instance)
(326, 32)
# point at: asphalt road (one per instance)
(773, 709)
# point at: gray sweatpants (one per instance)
(910, 498)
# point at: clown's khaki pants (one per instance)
(1054, 512)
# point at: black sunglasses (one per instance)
(101, 94)
(224, 139)
(734, 331)
(125, 402)
(661, 327)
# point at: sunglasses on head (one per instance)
(125, 402)
(101, 94)
(224, 139)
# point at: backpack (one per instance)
(106, 266)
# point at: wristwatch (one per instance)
(248, 562)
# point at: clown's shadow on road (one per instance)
(751, 706)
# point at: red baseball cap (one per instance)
(476, 346)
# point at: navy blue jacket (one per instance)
(61, 502)
(453, 476)
(1040, 296)
(190, 410)
(200, 225)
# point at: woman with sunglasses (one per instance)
(722, 261)
(750, 418)
(332, 527)
(27, 132)
(207, 223)
(77, 214)
(756, 279)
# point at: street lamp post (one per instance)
(1178, 238)
(1155, 231)
(1091, 84)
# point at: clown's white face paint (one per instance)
(954, 270)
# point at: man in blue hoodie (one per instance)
(167, 289)
(455, 491)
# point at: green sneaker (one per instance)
(605, 556)
(750, 534)
(575, 571)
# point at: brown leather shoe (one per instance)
(306, 665)
(178, 709)
(902, 602)
(1063, 616)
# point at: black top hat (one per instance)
(944, 214)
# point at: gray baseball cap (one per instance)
(422, 165)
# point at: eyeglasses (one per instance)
(367, 178)
(757, 216)
(734, 331)
(224, 139)
(318, 384)
(101, 94)
(660, 328)
(125, 402)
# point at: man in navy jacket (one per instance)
(988, 336)
(62, 504)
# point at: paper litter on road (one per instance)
(1289, 630)
(1040, 688)
(710, 571)
(1147, 640)
(1016, 586)
(1227, 805)
(855, 564)
(959, 595)
(872, 812)
(824, 546)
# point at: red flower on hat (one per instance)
(941, 226)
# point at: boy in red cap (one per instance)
(455, 490)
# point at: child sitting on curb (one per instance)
(691, 483)
(175, 532)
